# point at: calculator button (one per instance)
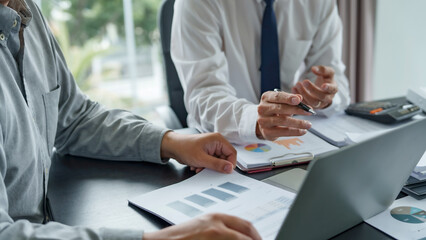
(374, 111)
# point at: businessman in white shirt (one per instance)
(231, 55)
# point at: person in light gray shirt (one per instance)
(41, 108)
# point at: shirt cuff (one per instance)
(120, 234)
(152, 136)
(247, 126)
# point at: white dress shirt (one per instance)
(215, 46)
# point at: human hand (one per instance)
(210, 150)
(210, 226)
(319, 95)
(275, 116)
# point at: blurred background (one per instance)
(112, 48)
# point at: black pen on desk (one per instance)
(301, 105)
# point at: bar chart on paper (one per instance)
(207, 198)
(288, 143)
(212, 192)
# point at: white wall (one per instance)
(400, 47)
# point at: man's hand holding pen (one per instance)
(275, 116)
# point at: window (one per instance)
(399, 48)
(112, 48)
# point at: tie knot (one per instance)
(269, 2)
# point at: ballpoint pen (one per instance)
(301, 105)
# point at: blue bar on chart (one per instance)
(224, 196)
(233, 187)
(185, 208)
(200, 200)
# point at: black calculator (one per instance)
(383, 111)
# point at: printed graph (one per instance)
(257, 147)
(190, 205)
(288, 142)
(409, 214)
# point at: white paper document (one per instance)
(264, 205)
(404, 219)
(342, 129)
(281, 152)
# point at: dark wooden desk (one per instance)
(94, 193)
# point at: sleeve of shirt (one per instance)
(87, 129)
(327, 50)
(197, 52)
(23, 229)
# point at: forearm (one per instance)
(111, 135)
(26, 230)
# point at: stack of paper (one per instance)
(342, 129)
(416, 183)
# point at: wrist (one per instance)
(258, 132)
(168, 145)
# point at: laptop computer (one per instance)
(354, 183)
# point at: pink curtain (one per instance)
(358, 18)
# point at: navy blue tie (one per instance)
(270, 61)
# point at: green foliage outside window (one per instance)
(90, 18)
(84, 23)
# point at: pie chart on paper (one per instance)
(409, 214)
(257, 147)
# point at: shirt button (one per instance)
(2, 37)
(14, 23)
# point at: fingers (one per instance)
(208, 227)
(196, 169)
(225, 150)
(314, 95)
(243, 229)
(272, 109)
(217, 164)
(272, 134)
(329, 88)
(219, 154)
(281, 97)
(323, 71)
(308, 87)
(275, 113)
(199, 151)
(269, 122)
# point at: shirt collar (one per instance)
(10, 23)
(21, 7)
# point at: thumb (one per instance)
(217, 164)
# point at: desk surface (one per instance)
(94, 193)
